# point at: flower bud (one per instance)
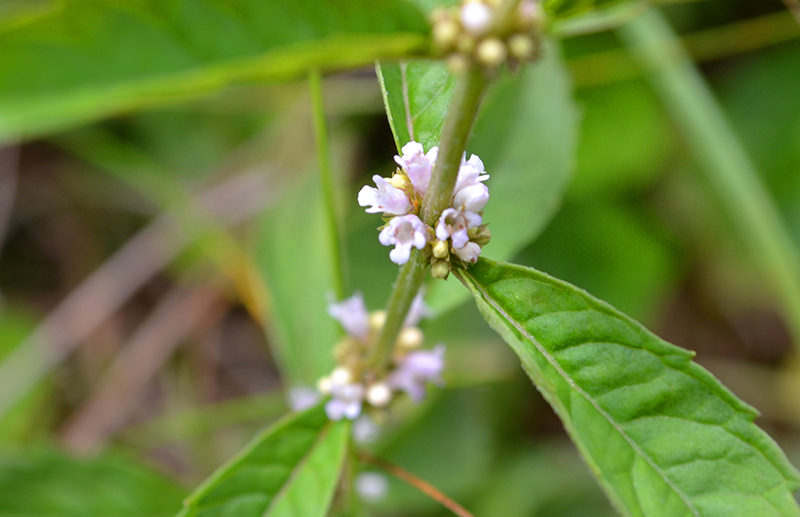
(457, 63)
(476, 17)
(324, 385)
(441, 249)
(410, 338)
(440, 269)
(521, 46)
(377, 319)
(379, 394)
(531, 15)
(491, 52)
(341, 376)
(445, 34)
(400, 180)
(481, 235)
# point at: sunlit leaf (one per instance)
(90, 58)
(290, 469)
(661, 434)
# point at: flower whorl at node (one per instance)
(352, 385)
(469, 33)
(458, 235)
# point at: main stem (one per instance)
(457, 125)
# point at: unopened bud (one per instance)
(440, 269)
(341, 376)
(476, 17)
(445, 34)
(410, 338)
(379, 394)
(440, 249)
(491, 52)
(531, 15)
(377, 319)
(481, 235)
(521, 46)
(324, 385)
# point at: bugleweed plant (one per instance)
(475, 177)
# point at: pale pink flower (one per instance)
(416, 370)
(352, 315)
(417, 311)
(454, 224)
(417, 165)
(470, 172)
(472, 198)
(386, 198)
(469, 253)
(345, 402)
(404, 232)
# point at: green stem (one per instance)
(455, 131)
(326, 178)
(721, 157)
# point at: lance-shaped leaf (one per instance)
(661, 434)
(88, 58)
(290, 469)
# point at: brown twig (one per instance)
(420, 484)
(179, 314)
(107, 288)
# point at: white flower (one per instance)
(372, 486)
(302, 397)
(418, 310)
(417, 369)
(345, 402)
(365, 430)
(379, 394)
(472, 198)
(417, 164)
(469, 253)
(386, 198)
(352, 314)
(404, 232)
(470, 172)
(454, 224)
(476, 17)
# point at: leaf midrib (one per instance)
(566, 377)
(323, 433)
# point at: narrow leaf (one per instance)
(290, 469)
(662, 435)
(91, 58)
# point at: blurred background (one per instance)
(153, 266)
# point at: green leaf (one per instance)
(292, 254)
(558, 9)
(92, 58)
(290, 469)
(41, 482)
(662, 435)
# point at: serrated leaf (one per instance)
(91, 58)
(43, 482)
(291, 469)
(526, 134)
(661, 434)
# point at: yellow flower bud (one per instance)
(440, 249)
(440, 269)
(445, 34)
(377, 319)
(521, 46)
(410, 338)
(491, 52)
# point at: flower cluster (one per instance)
(468, 32)
(352, 384)
(459, 233)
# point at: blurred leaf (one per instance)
(527, 137)
(51, 483)
(92, 58)
(548, 480)
(293, 256)
(624, 142)
(661, 434)
(566, 8)
(614, 252)
(290, 469)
